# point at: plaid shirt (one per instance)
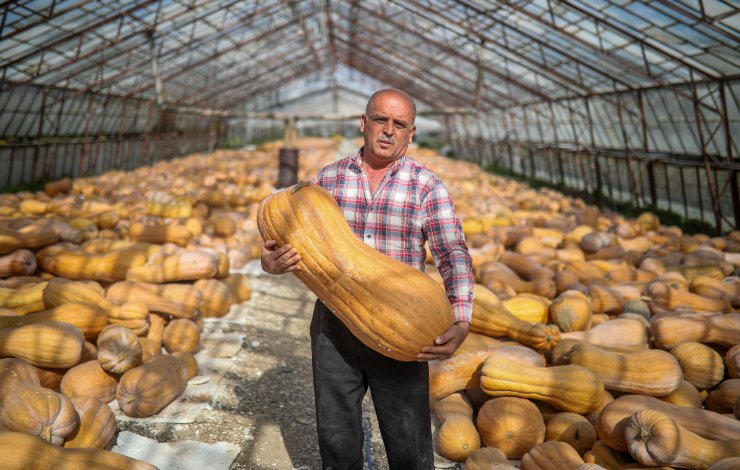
(410, 205)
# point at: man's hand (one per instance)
(446, 343)
(279, 260)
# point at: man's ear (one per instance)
(362, 122)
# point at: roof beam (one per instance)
(44, 19)
(179, 71)
(516, 57)
(451, 51)
(89, 27)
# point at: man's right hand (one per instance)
(279, 260)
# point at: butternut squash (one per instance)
(572, 429)
(457, 437)
(178, 300)
(118, 349)
(26, 299)
(44, 344)
(22, 451)
(463, 371)
(494, 320)
(143, 391)
(708, 424)
(568, 388)
(650, 372)
(722, 329)
(181, 335)
(684, 395)
(96, 427)
(571, 311)
(701, 365)
(88, 318)
(17, 263)
(552, 455)
(619, 334)
(217, 297)
(160, 234)
(77, 265)
(656, 439)
(189, 265)
(26, 406)
(89, 380)
(488, 458)
(513, 425)
(391, 307)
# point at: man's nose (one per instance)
(388, 127)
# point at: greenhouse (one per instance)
(584, 221)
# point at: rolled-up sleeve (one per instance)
(447, 245)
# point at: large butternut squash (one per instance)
(389, 306)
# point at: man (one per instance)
(394, 205)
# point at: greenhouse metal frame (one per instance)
(635, 101)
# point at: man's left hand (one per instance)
(446, 343)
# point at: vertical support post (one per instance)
(554, 126)
(121, 127)
(597, 168)
(705, 156)
(634, 193)
(39, 133)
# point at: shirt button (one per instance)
(368, 236)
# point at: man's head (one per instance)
(388, 125)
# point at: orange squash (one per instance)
(391, 307)
(89, 379)
(463, 371)
(96, 427)
(118, 349)
(22, 451)
(552, 455)
(44, 344)
(572, 429)
(701, 365)
(513, 425)
(722, 329)
(656, 439)
(708, 424)
(26, 406)
(143, 391)
(457, 437)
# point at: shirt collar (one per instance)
(357, 160)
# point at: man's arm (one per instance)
(448, 248)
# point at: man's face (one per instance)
(388, 127)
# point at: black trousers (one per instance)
(343, 369)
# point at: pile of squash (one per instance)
(104, 284)
(596, 341)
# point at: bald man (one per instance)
(395, 205)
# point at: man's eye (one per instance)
(379, 120)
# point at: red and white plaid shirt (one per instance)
(410, 205)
